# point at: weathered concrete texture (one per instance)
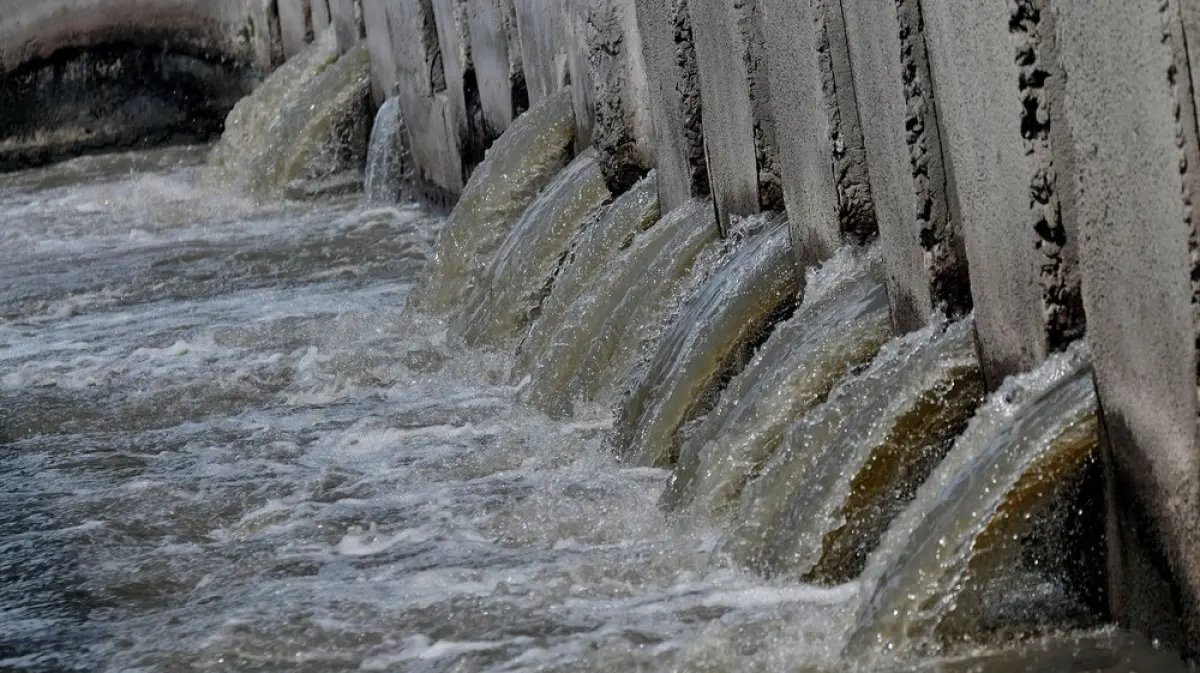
(922, 245)
(729, 122)
(377, 21)
(995, 94)
(296, 28)
(496, 54)
(543, 48)
(822, 161)
(1132, 114)
(749, 15)
(461, 87)
(347, 19)
(622, 116)
(320, 16)
(429, 111)
(574, 23)
(673, 84)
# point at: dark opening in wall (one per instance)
(116, 95)
(475, 137)
(520, 94)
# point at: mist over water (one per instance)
(227, 443)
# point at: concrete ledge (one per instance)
(922, 245)
(822, 161)
(296, 27)
(1132, 114)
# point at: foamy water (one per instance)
(226, 446)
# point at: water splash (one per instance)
(706, 342)
(639, 280)
(847, 468)
(989, 529)
(598, 245)
(511, 290)
(304, 132)
(842, 321)
(518, 165)
(389, 162)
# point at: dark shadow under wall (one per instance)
(115, 96)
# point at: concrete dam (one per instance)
(689, 335)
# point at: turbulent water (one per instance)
(229, 441)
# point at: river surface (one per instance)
(225, 446)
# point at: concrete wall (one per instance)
(822, 161)
(1131, 108)
(35, 29)
(673, 86)
(998, 97)
(909, 182)
(1035, 160)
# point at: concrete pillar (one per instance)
(729, 121)
(377, 21)
(1131, 107)
(454, 37)
(910, 185)
(429, 112)
(673, 86)
(320, 16)
(575, 28)
(622, 130)
(822, 161)
(496, 53)
(543, 49)
(268, 42)
(295, 26)
(346, 16)
(999, 100)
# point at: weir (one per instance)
(561, 328)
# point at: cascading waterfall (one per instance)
(742, 300)
(389, 162)
(845, 470)
(841, 323)
(580, 351)
(511, 288)
(599, 436)
(982, 543)
(304, 131)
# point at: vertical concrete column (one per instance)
(346, 16)
(575, 29)
(268, 42)
(623, 131)
(673, 86)
(320, 16)
(429, 114)
(295, 26)
(909, 182)
(462, 90)
(999, 100)
(822, 161)
(729, 120)
(543, 46)
(377, 21)
(1131, 108)
(496, 51)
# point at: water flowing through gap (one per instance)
(229, 442)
